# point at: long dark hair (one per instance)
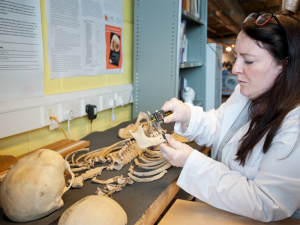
(268, 110)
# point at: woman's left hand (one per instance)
(177, 154)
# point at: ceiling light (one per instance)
(228, 49)
(233, 46)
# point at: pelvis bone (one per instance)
(143, 141)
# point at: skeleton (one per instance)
(94, 209)
(39, 176)
(127, 151)
(123, 152)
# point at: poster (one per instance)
(21, 50)
(77, 42)
(113, 37)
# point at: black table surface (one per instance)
(135, 199)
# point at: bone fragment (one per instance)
(143, 141)
(150, 167)
(80, 150)
(72, 159)
(124, 132)
(148, 179)
(80, 169)
(150, 173)
(154, 163)
(149, 160)
(145, 158)
(78, 182)
(77, 165)
(100, 192)
(109, 181)
(92, 173)
(113, 187)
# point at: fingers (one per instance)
(173, 143)
(169, 118)
(168, 106)
(163, 149)
(171, 106)
(168, 153)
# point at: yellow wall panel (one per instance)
(15, 145)
(119, 116)
(43, 136)
(50, 86)
(83, 83)
(78, 127)
(127, 113)
(44, 23)
(128, 7)
(102, 121)
(124, 78)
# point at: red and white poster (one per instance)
(113, 37)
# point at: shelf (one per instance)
(227, 92)
(157, 40)
(190, 65)
(190, 17)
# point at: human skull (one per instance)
(94, 210)
(33, 188)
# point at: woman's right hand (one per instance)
(181, 111)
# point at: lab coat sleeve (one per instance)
(203, 125)
(272, 195)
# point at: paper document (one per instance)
(76, 37)
(21, 50)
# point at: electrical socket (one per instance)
(50, 110)
(120, 99)
(127, 97)
(72, 105)
(106, 101)
(92, 101)
(68, 114)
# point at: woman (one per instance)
(255, 168)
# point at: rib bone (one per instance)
(150, 173)
(148, 179)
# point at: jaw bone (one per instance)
(143, 141)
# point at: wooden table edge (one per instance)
(159, 205)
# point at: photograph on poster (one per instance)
(114, 56)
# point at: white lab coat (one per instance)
(266, 188)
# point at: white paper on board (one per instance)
(76, 37)
(21, 50)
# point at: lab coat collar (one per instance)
(236, 104)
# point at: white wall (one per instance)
(228, 57)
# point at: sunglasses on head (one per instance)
(262, 19)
